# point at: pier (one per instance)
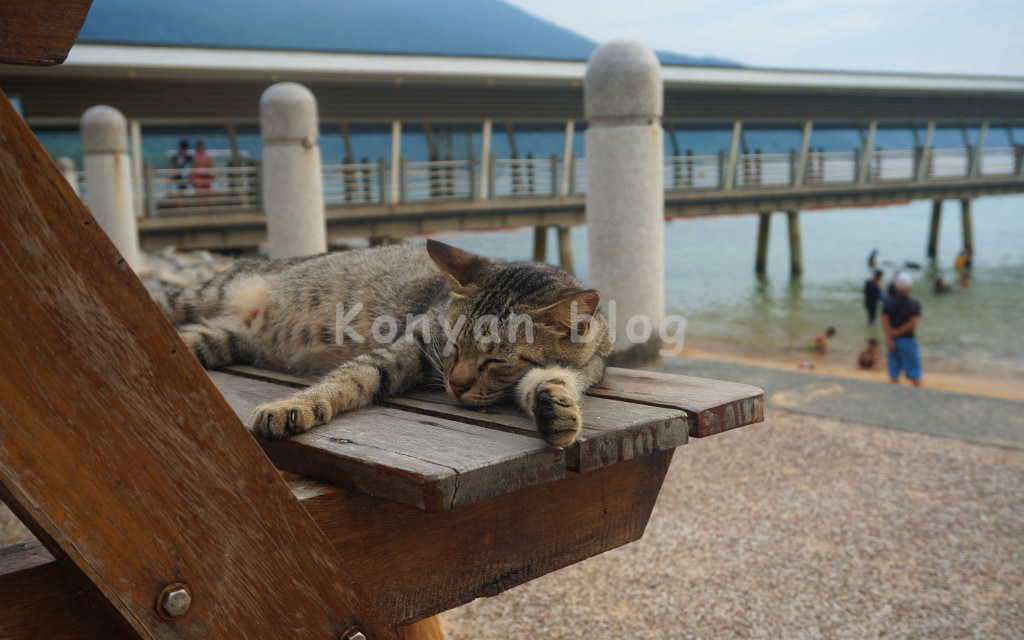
(451, 139)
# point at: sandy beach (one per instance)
(800, 527)
(843, 365)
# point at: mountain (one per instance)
(477, 28)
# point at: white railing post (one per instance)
(625, 201)
(292, 167)
(484, 184)
(108, 179)
(570, 131)
(396, 155)
(68, 170)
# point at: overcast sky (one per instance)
(981, 37)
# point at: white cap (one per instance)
(903, 281)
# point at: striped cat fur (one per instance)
(379, 322)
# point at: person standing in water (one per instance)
(900, 316)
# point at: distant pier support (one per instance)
(108, 179)
(966, 224)
(565, 248)
(764, 224)
(796, 260)
(540, 243)
(625, 200)
(933, 230)
(293, 192)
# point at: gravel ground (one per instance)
(802, 527)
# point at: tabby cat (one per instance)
(379, 322)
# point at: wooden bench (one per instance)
(130, 464)
(432, 505)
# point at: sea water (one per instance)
(710, 279)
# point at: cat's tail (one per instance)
(240, 295)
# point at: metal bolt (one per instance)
(174, 601)
(355, 633)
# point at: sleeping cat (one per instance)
(379, 322)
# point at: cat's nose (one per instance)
(457, 389)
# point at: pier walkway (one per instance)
(369, 200)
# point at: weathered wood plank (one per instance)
(613, 431)
(39, 33)
(712, 406)
(412, 563)
(121, 456)
(430, 463)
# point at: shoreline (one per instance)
(843, 366)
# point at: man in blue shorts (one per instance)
(900, 316)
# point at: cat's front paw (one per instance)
(276, 420)
(557, 415)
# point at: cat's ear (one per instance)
(462, 267)
(574, 310)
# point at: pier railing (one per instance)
(360, 183)
(170, 191)
(524, 177)
(184, 191)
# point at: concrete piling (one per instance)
(625, 202)
(293, 188)
(764, 224)
(796, 260)
(933, 231)
(108, 179)
(965, 223)
(565, 259)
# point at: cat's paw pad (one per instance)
(557, 415)
(289, 417)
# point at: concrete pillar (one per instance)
(108, 179)
(965, 223)
(625, 200)
(933, 231)
(565, 248)
(764, 224)
(67, 167)
(796, 260)
(293, 192)
(540, 243)
(729, 179)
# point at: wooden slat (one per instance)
(412, 563)
(613, 430)
(39, 33)
(122, 457)
(712, 406)
(429, 463)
